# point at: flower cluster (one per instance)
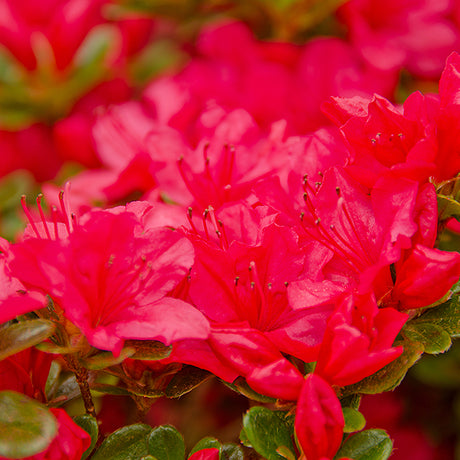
(281, 238)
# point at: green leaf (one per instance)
(26, 426)
(49, 347)
(244, 438)
(286, 453)
(127, 443)
(188, 378)
(107, 359)
(267, 432)
(22, 335)
(242, 387)
(433, 337)
(52, 381)
(447, 207)
(107, 389)
(391, 375)
(149, 349)
(205, 443)
(367, 445)
(89, 424)
(231, 451)
(166, 443)
(446, 316)
(354, 420)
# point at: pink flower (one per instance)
(271, 81)
(319, 420)
(206, 454)
(26, 372)
(64, 23)
(424, 277)
(415, 142)
(358, 341)
(111, 277)
(412, 34)
(254, 323)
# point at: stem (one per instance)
(81, 374)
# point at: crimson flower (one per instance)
(319, 419)
(358, 341)
(111, 277)
(254, 323)
(26, 372)
(206, 454)
(412, 34)
(416, 142)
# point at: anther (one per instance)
(286, 283)
(236, 280)
(337, 190)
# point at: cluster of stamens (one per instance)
(219, 191)
(329, 236)
(70, 223)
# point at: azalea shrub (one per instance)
(227, 225)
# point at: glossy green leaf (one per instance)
(26, 426)
(89, 424)
(107, 359)
(19, 336)
(244, 438)
(52, 381)
(447, 207)
(109, 389)
(286, 453)
(166, 443)
(391, 375)
(188, 378)
(354, 420)
(367, 445)
(148, 349)
(127, 443)
(267, 432)
(205, 443)
(48, 347)
(446, 315)
(231, 452)
(433, 337)
(242, 387)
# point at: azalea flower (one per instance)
(415, 142)
(111, 276)
(319, 420)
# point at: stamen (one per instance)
(205, 226)
(189, 218)
(42, 215)
(224, 233)
(64, 211)
(55, 224)
(255, 283)
(74, 218)
(28, 215)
